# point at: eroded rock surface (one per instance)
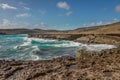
(104, 66)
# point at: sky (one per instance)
(57, 14)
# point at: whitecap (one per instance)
(42, 40)
(65, 44)
(15, 47)
(26, 44)
(34, 57)
(99, 47)
(35, 48)
(32, 53)
(96, 47)
(93, 47)
(27, 41)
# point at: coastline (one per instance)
(106, 65)
(103, 66)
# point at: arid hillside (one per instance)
(104, 65)
(104, 29)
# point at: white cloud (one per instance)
(21, 3)
(117, 8)
(42, 12)
(103, 22)
(112, 21)
(63, 5)
(7, 6)
(23, 15)
(115, 19)
(26, 8)
(69, 13)
(41, 25)
(45, 26)
(99, 23)
(7, 24)
(92, 24)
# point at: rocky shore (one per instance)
(87, 65)
(83, 38)
(104, 65)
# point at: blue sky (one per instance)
(58, 14)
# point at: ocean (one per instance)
(20, 47)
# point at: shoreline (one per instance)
(88, 46)
(87, 65)
(103, 66)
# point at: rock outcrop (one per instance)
(56, 36)
(100, 39)
(87, 66)
(104, 65)
(83, 38)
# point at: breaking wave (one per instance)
(24, 48)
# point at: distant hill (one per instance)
(105, 29)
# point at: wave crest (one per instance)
(42, 49)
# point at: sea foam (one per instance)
(98, 47)
(91, 47)
(45, 49)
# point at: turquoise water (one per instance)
(20, 47)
